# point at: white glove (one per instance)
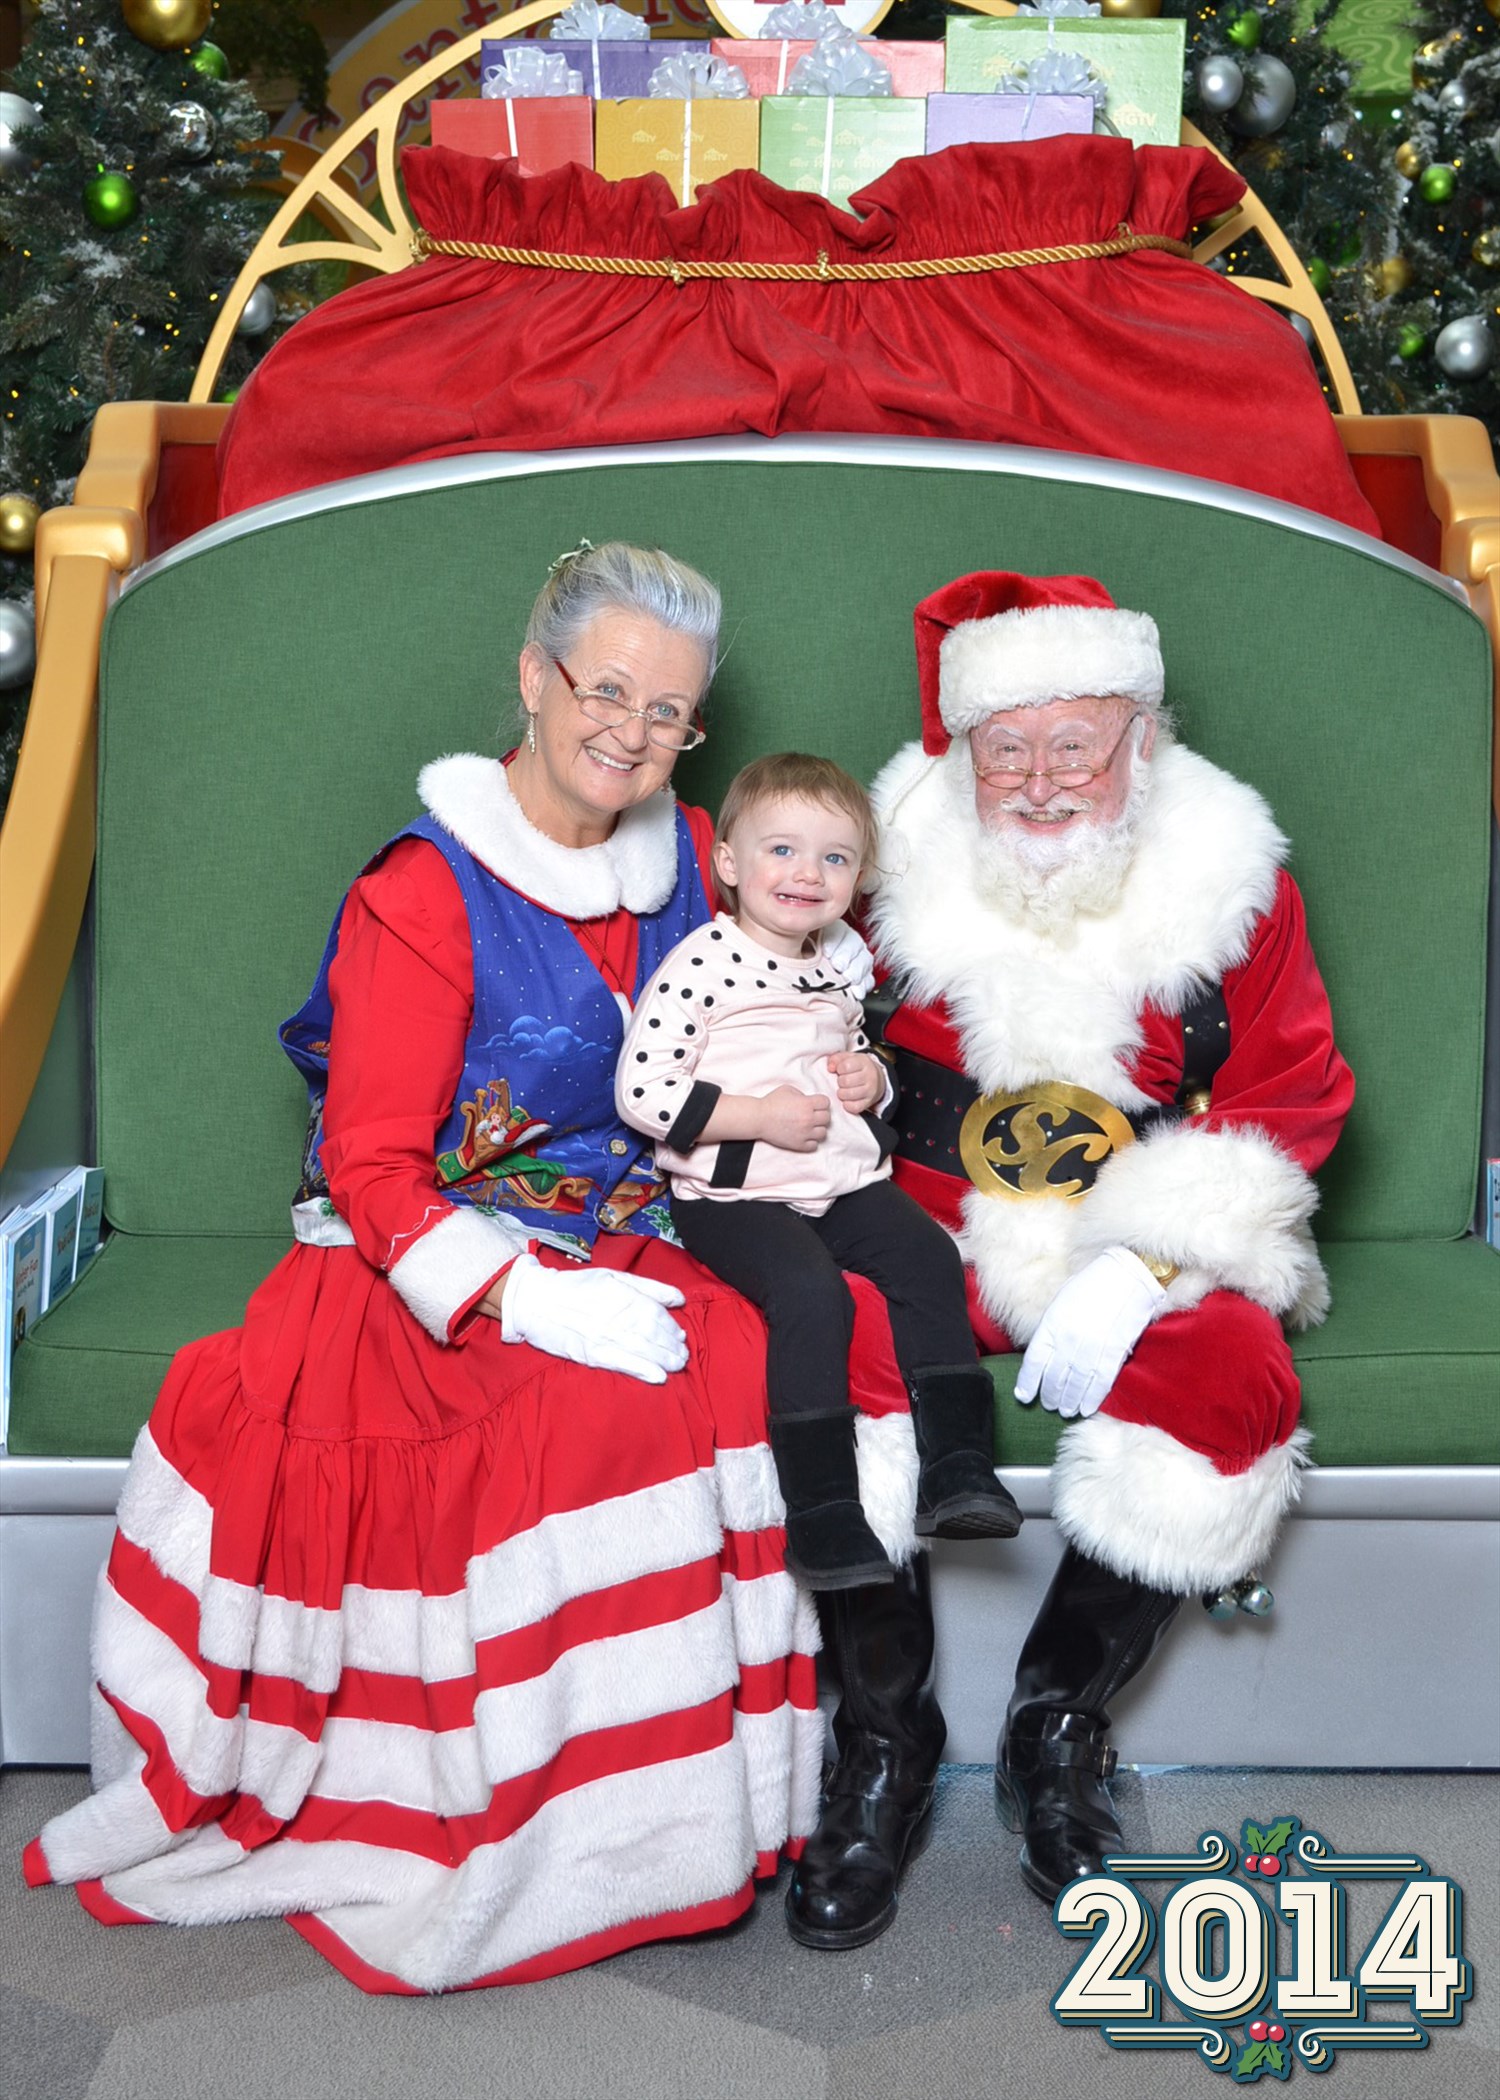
(1087, 1332)
(605, 1318)
(843, 947)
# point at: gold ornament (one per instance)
(1134, 10)
(1486, 248)
(1493, 6)
(1390, 277)
(1409, 160)
(1429, 59)
(167, 25)
(18, 516)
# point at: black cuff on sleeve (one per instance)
(700, 1104)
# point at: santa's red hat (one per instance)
(994, 640)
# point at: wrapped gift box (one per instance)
(981, 120)
(688, 142)
(541, 131)
(611, 68)
(915, 69)
(835, 144)
(1140, 62)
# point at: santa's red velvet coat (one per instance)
(1182, 1477)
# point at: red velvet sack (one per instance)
(1146, 357)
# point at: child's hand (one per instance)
(859, 1078)
(795, 1122)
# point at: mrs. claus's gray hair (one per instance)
(620, 578)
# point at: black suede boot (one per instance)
(1094, 1632)
(890, 1732)
(829, 1545)
(958, 1496)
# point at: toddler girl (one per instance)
(746, 1059)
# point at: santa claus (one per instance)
(1117, 1076)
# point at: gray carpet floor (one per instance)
(952, 2004)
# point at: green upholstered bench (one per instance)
(270, 688)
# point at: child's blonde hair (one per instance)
(812, 780)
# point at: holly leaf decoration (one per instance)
(1255, 1838)
(1276, 1837)
(1255, 2059)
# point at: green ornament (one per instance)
(1244, 31)
(1411, 342)
(111, 201)
(1319, 276)
(1437, 183)
(210, 61)
(230, 394)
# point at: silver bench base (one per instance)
(1383, 1650)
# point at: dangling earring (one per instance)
(531, 732)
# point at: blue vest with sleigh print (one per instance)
(532, 1132)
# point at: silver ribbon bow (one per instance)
(1056, 73)
(1058, 10)
(840, 67)
(598, 22)
(529, 71)
(797, 21)
(695, 78)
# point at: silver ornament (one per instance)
(1221, 1604)
(1255, 1599)
(190, 130)
(17, 644)
(1304, 328)
(15, 111)
(1221, 82)
(1454, 99)
(1465, 349)
(1269, 98)
(260, 312)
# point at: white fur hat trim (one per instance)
(1057, 652)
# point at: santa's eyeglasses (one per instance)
(1011, 766)
(664, 726)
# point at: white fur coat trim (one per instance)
(636, 866)
(885, 1449)
(1056, 652)
(1134, 1498)
(447, 1267)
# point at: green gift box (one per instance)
(835, 144)
(1139, 61)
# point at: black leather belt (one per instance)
(1050, 1139)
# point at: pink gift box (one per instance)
(540, 131)
(969, 120)
(915, 69)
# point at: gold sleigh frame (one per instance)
(359, 236)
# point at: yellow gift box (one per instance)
(688, 142)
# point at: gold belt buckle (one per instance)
(1047, 1140)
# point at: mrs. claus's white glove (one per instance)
(1087, 1332)
(605, 1318)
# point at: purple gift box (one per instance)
(613, 69)
(970, 120)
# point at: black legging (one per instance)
(789, 1265)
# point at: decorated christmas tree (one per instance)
(126, 211)
(1422, 328)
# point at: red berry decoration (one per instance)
(1276, 2033)
(1252, 1862)
(1270, 1864)
(1258, 2031)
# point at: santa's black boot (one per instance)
(889, 1731)
(1094, 1632)
(829, 1544)
(958, 1496)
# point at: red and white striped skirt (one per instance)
(475, 1665)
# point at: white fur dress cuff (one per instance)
(1228, 1206)
(450, 1265)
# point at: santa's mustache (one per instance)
(1061, 805)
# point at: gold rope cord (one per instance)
(1123, 242)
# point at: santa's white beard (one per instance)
(1053, 877)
